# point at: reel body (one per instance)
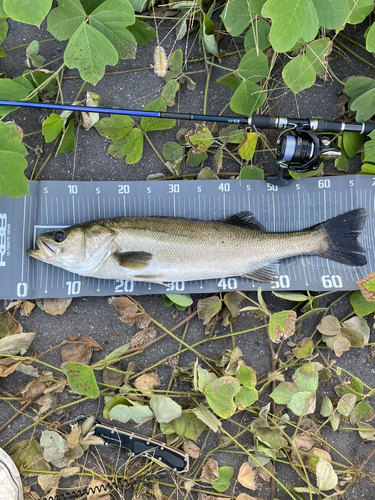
(301, 151)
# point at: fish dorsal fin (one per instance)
(265, 274)
(244, 219)
(134, 260)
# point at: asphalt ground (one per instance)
(133, 85)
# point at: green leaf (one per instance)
(208, 418)
(67, 139)
(257, 35)
(202, 377)
(32, 51)
(90, 5)
(220, 394)
(165, 409)
(3, 30)
(13, 182)
(182, 300)
(302, 403)
(172, 151)
(360, 305)
(305, 348)
(357, 86)
(250, 172)
(112, 402)
(282, 325)
(194, 159)
(232, 134)
(174, 66)
(27, 11)
(362, 411)
(136, 413)
(28, 454)
(247, 98)
(111, 18)
(326, 477)
(11, 91)
(291, 21)
(317, 52)
(367, 169)
(332, 13)
(200, 139)
(299, 74)
(231, 80)
(52, 127)
(359, 9)
(40, 77)
(189, 425)
(114, 355)
(364, 105)
(140, 5)
(293, 296)
(114, 127)
(208, 308)
(209, 36)
(306, 377)
(370, 39)
(256, 5)
(253, 66)
(169, 92)
(366, 431)
(247, 376)
(89, 51)
(355, 387)
(149, 124)
(246, 150)
(81, 379)
(222, 482)
(246, 397)
(142, 32)
(63, 21)
(236, 16)
(326, 409)
(3, 14)
(130, 146)
(342, 162)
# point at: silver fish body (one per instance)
(160, 250)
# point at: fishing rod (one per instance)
(301, 151)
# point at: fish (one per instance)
(167, 249)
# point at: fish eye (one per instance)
(59, 236)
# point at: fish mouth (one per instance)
(46, 250)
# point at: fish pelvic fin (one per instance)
(341, 238)
(133, 260)
(265, 274)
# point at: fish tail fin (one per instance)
(341, 238)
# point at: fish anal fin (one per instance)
(265, 274)
(133, 260)
(151, 278)
(244, 219)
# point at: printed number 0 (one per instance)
(21, 289)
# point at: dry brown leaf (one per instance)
(223, 440)
(147, 381)
(210, 468)
(8, 325)
(304, 442)
(158, 494)
(16, 343)
(26, 308)
(56, 306)
(245, 496)
(191, 449)
(111, 377)
(129, 312)
(8, 365)
(12, 304)
(248, 476)
(341, 345)
(288, 328)
(79, 349)
(145, 335)
(368, 294)
(188, 485)
(264, 474)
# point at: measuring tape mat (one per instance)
(301, 204)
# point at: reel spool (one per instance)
(301, 152)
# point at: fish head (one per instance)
(80, 248)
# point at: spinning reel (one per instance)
(301, 152)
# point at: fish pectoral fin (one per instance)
(244, 219)
(133, 260)
(265, 274)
